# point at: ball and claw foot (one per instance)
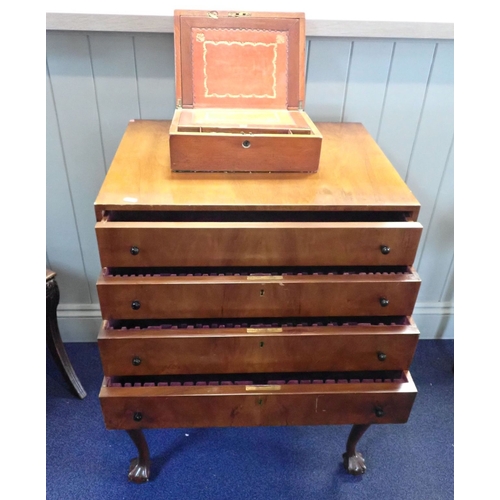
(138, 472)
(354, 464)
(140, 466)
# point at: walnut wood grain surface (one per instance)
(233, 297)
(354, 174)
(232, 406)
(257, 244)
(233, 350)
(207, 152)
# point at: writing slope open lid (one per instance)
(239, 59)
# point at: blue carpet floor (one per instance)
(412, 461)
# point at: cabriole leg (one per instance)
(140, 466)
(354, 463)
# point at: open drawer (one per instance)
(181, 239)
(257, 400)
(174, 347)
(223, 293)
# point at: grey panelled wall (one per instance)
(401, 90)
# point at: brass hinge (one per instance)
(238, 14)
(179, 103)
(301, 105)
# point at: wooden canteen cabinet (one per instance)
(256, 299)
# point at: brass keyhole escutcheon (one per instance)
(261, 344)
(260, 401)
(262, 292)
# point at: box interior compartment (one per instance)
(242, 121)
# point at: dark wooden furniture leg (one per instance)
(354, 463)
(54, 342)
(139, 467)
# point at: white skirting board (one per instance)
(81, 322)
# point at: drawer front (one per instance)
(221, 297)
(185, 244)
(157, 351)
(252, 405)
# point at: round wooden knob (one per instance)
(136, 305)
(246, 144)
(381, 356)
(137, 416)
(379, 412)
(134, 250)
(384, 302)
(385, 249)
(136, 361)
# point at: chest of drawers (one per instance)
(256, 299)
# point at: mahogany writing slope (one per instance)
(240, 87)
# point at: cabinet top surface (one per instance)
(354, 174)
